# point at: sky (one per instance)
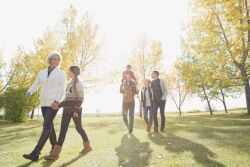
(120, 24)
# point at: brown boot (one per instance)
(162, 129)
(55, 153)
(50, 150)
(87, 148)
(149, 126)
(156, 129)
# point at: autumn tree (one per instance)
(81, 45)
(221, 28)
(195, 75)
(176, 87)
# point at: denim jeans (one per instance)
(66, 117)
(48, 129)
(148, 110)
(128, 109)
(52, 136)
(161, 105)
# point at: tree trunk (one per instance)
(32, 114)
(224, 101)
(208, 102)
(179, 111)
(247, 93)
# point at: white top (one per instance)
(52, 87)
(148, 102)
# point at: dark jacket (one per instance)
(143, 96)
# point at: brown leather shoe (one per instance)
(86, 147)
(55, 153)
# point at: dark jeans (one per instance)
(128, 108)
(161, 105)
(148, 110)
(66, 117)
(52, 136)
(48, 129)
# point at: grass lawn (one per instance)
(189, 140)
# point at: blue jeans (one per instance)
(159, 104)
(128, 108)
(49, 114)
(52, 136)
(148, 110)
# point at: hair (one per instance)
(51, 55)
(157, 73)
(129, 66)
(147, 80)
(76, 70)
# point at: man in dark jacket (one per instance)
(159, 89)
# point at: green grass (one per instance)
(194, 139)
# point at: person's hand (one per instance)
(55, 105)
(27, 95)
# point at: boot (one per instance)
(162, 129)
(32, 156)
(86, 147)
(156, 129)
(149, 126)
(50, 150)
(55, 153)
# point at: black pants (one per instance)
(66, 117)
(128, 108)
(48, 129)
(161, 105)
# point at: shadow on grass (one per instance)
(133, 153)
(175, 144)
(27, 164)
(46, 163)
(231, 133)
(73, 160)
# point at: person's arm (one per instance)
(62, 82)
(136, 90)
(80, 93)
(164, 89)
(122, 89)
(133, 75)
(141, 94)
(35, 86)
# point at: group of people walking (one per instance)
(153, 96)
(52, 81)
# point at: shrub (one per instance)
(16, 107)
